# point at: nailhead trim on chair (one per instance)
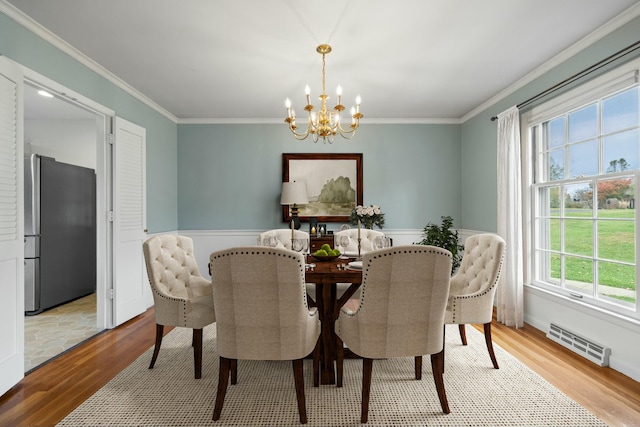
(388, 252)
(260, 250)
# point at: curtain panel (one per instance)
(510, 305)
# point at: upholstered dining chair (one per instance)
(474, 285)
(182, 297)
(262, 314)
(367, 238)
(283, 237)
(400, 313)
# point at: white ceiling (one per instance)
(408, 59)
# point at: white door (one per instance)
(129, 220)
(11, 227)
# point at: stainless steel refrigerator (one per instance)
(60, 233)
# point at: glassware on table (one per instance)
(299, 245)
(381, 242)
(342, 240)
(270, 241)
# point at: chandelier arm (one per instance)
(344, 131)
(298, 136)
(348, 134)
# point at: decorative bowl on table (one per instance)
(323, 258)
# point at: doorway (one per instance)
(56, 128)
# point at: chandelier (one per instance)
(325, 123)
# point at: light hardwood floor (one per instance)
(49, 393)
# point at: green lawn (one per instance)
(616, 242)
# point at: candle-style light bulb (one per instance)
(307, 92)
(339, 93)
(287, 104)
(353, 115)
(358, 101)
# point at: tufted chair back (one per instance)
(176, 282)
(474, 285)
(367, 237)
(181, 296)
(284, 237)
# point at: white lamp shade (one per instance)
(294, 193)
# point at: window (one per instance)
(584, 158)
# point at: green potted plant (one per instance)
(446, 237)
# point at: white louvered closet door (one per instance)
(129, 225)
(11, 227)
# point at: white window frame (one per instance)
(622, 77)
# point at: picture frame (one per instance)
(334, 184)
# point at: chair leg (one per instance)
(156, 349)
(437, 366)
(197, 352)
(463, 333)
(487, 338)
(223, 380)
(339, 361)
(418, 367)
(234, 371)
(298, 376)
(367, 367)
(444, 345)
(316, 364)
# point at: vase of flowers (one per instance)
(368, 215)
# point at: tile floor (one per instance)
(54, 331)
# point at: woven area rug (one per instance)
(478, 395)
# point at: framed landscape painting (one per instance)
(334, 184)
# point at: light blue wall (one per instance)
(230, 175)
(24, 47)
(479, 135)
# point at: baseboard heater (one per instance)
(597, 353)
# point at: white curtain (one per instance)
(510, 309)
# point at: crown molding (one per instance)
(42, 32)
(389, 121)
(604, 30)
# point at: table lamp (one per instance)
(294, 194)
